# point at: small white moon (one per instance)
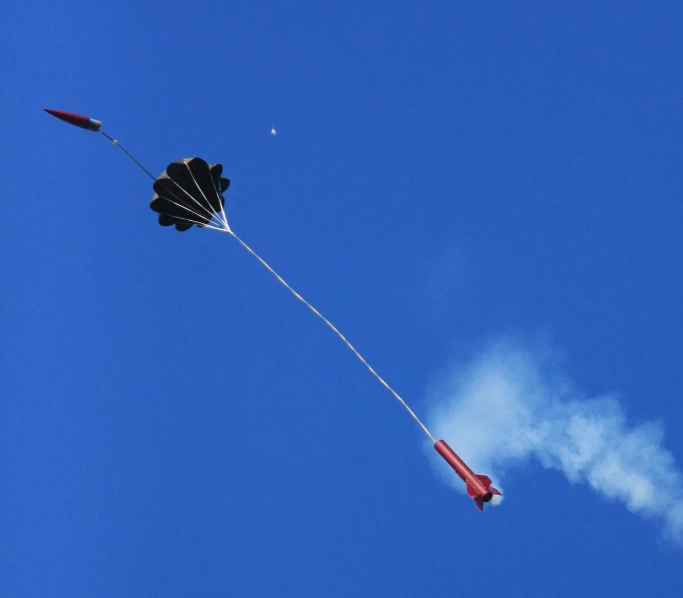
(273, 132)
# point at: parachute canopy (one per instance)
(190, 192)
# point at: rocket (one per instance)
(478, 486)
(78, 120)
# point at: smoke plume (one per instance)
(510, 405)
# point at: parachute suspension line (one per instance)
(131, 156)
(334, 329)
(224, 218)
(208, 215)
(220, 215)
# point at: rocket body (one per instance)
(478, 486)
(78, 120)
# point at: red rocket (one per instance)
(78, 120)
(478, 486)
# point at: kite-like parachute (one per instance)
(188, 192)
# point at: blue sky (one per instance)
(480, 196)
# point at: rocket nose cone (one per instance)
(78, 120)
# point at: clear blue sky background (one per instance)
(173, 423)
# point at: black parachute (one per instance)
(189, 192)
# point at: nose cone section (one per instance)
(77, 120)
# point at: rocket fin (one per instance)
(472, 492)
(484, 479)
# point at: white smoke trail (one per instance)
(509, 405)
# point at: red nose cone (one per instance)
(78, 120)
